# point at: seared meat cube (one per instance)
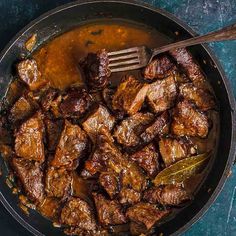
(203, 99)
(109, 211)
(159, 69)
(58, 182)
(96, 70)
(29, 139)
(100, 118)
(161, 94)
(128, 196)
(130, 95)
(167, 195)
(189, 121)
(146, 213)
(190, 67)
(77, 212)
(71, 147)
(23, 108)
(54, 128)
(159, 126)
(75, 103)
(148, 159)
(30, 176)
(110, 182)
(29, 74)
(129, 130)
(173, 150)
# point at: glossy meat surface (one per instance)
(146, 213)
(129, 196)
(31, 177)
(130, 95)
(148, 159)
(29, 139)
(167, 195)
(161, 94)
(187, 120)
(173, 150)
(109, 211)
(71, 147)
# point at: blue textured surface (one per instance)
(202, 16)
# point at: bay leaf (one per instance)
(182, 170)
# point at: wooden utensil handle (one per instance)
(227, 33)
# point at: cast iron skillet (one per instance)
(68, 16)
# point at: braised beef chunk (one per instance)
(29, 74)
(161, 94)
(96, 70)
(58, 182)
(148, 159)
(48, 97)
(77, 212)
(159, 69)
(110, 182)
(187, 120)
(75, 103)
(203, 99)
(159, 126)
(23, 108)
(109, 211)
(173, 150)
(128, 196)
(190, 67)
(29, 139)
(30, 176)
(99, 119)
(129, 130)
(146, 213)
(54, 128)
(71, 147)
(167, 195)
(130, 95)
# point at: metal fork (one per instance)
(138, 57)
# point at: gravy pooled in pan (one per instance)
(100, 153)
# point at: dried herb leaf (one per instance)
(182, 170)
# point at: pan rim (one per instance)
(226, 83)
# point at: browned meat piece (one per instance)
(23, 108)
(190, 67)
(75, 103)
(77, 212)
(146, 213)
(30, 176)
(96, 70)
(159, 69)
(71, 147)
(109, 211)
(29, 73)
(128, 196)
(58, 182)
(189, 121)
(173, 150)
(110, 182)
(29, 139)
(54, 128)
(100, 118)
(159, 126)
(82, 232)
(167, 195)
(129, 130)
(48, 97)
(161, 94)
(130, 95)
(148, 159)
(203, 99)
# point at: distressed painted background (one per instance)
(202, 16)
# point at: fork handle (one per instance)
(227, 33)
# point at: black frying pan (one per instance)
(68, 16)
